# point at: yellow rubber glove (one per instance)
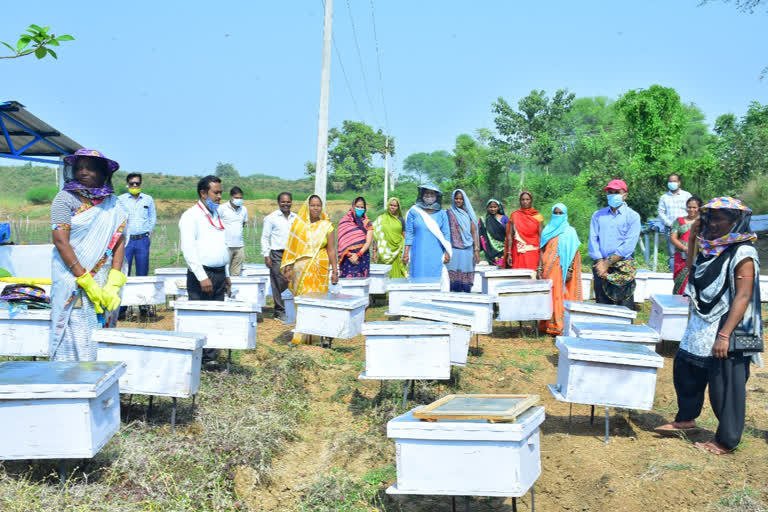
(111, 291)
(92, 289)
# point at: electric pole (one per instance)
(386, 172)
(321, 170)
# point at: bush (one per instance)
(41, 195)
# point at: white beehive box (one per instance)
(466, 457)
(170, 276)
(763, 288)
(379, 276)
(407, 350)
(163, 363)
(649, 283)
(669, 316)
(225, 324)
(587, 290)
(25, 332)
(143, 291)
(625, 333)
(606, 373)
(461, 319)
(354, 286)
(479, 303)
(403, 289)
(491, 278)
(58, 410)
(258, 270)
(251, 289)
(522, 300)
(595, 313)
(330, 314)
(480, 269)
(290, 308)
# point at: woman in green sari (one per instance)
(389, 233)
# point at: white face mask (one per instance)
(237, 202)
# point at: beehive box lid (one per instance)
(149, 338)
(217, 305)
(647, 274)
(437, 312)
(633, 333)
(522, 273)
(407, 328)
(603, 351)
(415, 283)
(143, 279)
(599, 309)
(255, 269)
(57, 379)
(380, 268)
(459, 298)
(671, 304)
(348, 282)
(26, 314)
(249, 280)
(489, 407)
(407, 426)
(331, 300)
(170, 271)
(523, 286)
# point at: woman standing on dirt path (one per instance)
(389, 233)
(311, 247)
(724, 332)
(355, 237)
(521, 249)
(679, 235)
(88, 222)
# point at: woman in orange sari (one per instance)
(560, 262)
(521, 248)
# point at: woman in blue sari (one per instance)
(464, 240)
(426, 235)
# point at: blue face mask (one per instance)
(237, 202)
(211, 205)
(359, 211)
(615, 200)
(673, 185)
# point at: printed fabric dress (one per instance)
(306, 251)
(388, 231)
(680, 272)
(352, 233)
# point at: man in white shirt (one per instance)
(274, 238)
(234, 215)
(671, 206)
(205, 249)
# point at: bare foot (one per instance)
(713, 447)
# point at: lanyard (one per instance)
(221, 226)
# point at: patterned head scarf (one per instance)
(739, 215)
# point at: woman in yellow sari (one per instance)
(311, 247)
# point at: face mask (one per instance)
(211, 205)
(359, 211)
(615, 200)
(557, 214)
(237, 202)
(134, 190)
(673, 185)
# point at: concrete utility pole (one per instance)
(386, 172)
(321, 169)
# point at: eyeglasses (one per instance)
(134, 184)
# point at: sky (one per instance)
(177, 86)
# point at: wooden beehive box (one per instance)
(649, 283)
(56, 409)
(526, 299)
(379, 276)
(355, 286)
(258, 270)
(407, 350)
(251, 289)
(225, 324)
(170, 275)
(403, 289)
(143, 291)
(491, 278)
(480, 304)
(595, 313)
(466, 457)
(480, 269)
(163, 363)
(290, 308)
(625, 333)
(764, 288)
(461, 319)
(330, 314)
(669, 316)
(606, 373)
(25, 332)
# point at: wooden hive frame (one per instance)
(429, 412)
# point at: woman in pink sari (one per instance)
(679, 234)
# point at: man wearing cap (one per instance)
(672, 206)
(613, 234)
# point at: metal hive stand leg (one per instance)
(592, 415)
(148, 411)
(570, 416)
(405, 393)
(533, 499)
(173, 415)
(607, 422)
(229, 359)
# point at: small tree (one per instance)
(226, 171)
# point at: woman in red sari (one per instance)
(521, 248)
(679, 235)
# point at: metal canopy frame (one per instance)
(26, 137)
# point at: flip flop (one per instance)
(671, 431)
(711, 448)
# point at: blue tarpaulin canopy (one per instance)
(23, 136)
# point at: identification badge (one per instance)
(78, 304)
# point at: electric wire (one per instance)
(344, 72)
(378, 65)
(360, 60)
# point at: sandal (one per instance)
(712, 448)
(671, 430)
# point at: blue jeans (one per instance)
(138, 250)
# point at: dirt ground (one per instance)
(637, 471)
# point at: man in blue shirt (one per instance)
(142, 218)
(613, 234)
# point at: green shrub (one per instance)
(41, 195)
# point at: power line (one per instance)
(378, 64)
(360, 60)
(344, 72)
